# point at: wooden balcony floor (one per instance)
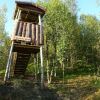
(26, 48)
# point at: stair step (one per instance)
(20, 65)
(18, 73)
(23, 55)
(20, 68)
(22, 59)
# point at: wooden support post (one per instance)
(9, 67)
(7, 73)
(19, 15)
(42, 69)
(41, 54)
(40, 23)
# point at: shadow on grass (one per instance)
(25, 90)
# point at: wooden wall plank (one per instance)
(42, 42)
(30, 30)
(36, 34)
(32, 34)
(20, 29)
(24, 29)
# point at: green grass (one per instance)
(2, 72)
(96, 83)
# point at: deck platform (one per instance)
(26, 48)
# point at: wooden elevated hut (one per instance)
(27, 37)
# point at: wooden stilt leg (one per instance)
(9, 71)
(41, 53)
(9, 67)
(8, 64)
(42, 70)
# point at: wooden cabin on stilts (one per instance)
(27, 38)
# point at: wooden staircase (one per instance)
(21, 63)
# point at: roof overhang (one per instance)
(28, 6)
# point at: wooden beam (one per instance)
(37, 41)
(19, 14)
(31, 10)
(27, 39)
(8, 64)
(41, 34)
(16, 17)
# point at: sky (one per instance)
(84, 7)
(89, 7)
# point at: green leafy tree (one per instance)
(4, 39)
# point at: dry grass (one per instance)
(78, 88)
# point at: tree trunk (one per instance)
(48, 76)
(55, 50)
(47, 62)
(63, 71)
(98, 70)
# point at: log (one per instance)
(36, 34)
(17, 27)
(15, 31)
(26, 39)
(41, 36)
(41, 31)
(20, 29)
(30, 30)
(32, 33)
(27, 30)
(42, 42)
(24, 30)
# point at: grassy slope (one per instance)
(76, 87)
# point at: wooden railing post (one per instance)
(42, 69)
(41, 34)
